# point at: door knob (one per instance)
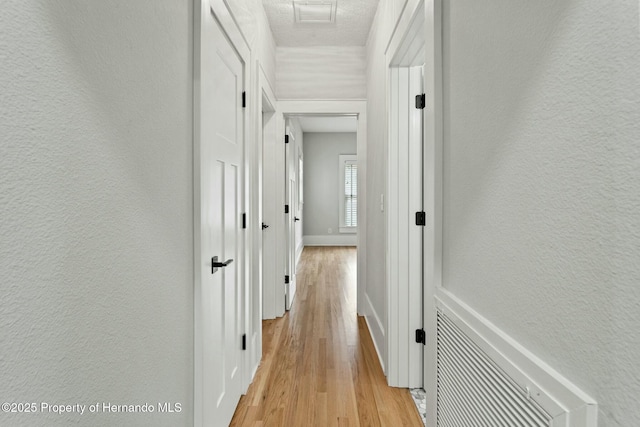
(215, 264)
(264, 226)
(295, 218)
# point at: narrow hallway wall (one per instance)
(542, 185)
(541, 178)
(96, 265)
(376, 177)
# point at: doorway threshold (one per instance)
(420, 399)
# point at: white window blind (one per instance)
(350, 194)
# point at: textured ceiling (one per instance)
(353, 20)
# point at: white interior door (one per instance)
(291, 191)
(404, 234)
(221, 194)
(272, 276)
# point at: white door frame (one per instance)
(268, 140)
(433, 195)
(404, 237)
(202, 10)
(266, 102)
(337, 107)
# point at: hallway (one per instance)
(319, 366)
(527, 213)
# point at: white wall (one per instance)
(542, 185)
(252, 20)
(96, 258)
(321, 72)
(321, 186)
(541, 181)
(376, 177)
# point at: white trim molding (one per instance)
(433, 198)
(348, 230)
(376, 329)
(331, 240)
(562, 400)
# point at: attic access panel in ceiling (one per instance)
(315, 12)
(353, 19)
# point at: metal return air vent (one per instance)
(472, 391)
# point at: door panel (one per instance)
(221, 194)
(291, 243)
(290, 191)
(272, 210)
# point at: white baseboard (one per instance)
(375, 328)
(332, 240)
(564, 401)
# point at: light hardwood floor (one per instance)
(319, 365)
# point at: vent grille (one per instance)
(474, 391)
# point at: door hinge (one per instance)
(286, 279)
(244, 341)
(244, 99)
(421, 218)
(420, 101)
(286, 209)
(244, 220)
(421, 337)
(286, 139)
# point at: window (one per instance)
(348, 193)
(300, 178)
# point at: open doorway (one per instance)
(287, 163)
(320, 185)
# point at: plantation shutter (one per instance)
(351, 194)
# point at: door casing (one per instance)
(405, 59)
(271, 202)
(433, 194)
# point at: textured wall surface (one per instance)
(542, 191)
(376, 291)
(96, 208)
(328, 72)
(321, 180)
(542, 169)
(252, 20)
(267, 52)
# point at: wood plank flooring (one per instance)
(319, 365)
